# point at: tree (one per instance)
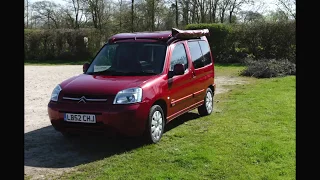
(138, 15)
(26, 12)
(185, 7)
(148, 10)
(213, 4)
(236, 5)
(222, 9)
(278, 16)
(152, 14)
(288, 7)
(194, 11)
(120, 17)
(177, 13)
(77, 9)
(251, 16)
(46, 11)
(203, 10)
(132, 15)
(168, 21)
(99, 11)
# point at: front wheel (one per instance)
(207, 107)
(155, 126)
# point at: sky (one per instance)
(269, 4)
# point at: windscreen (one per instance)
(129, 58)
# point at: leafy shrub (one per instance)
(62, 44)
(267, 68)
(229, 43)
(270, 40)
(261, 40)
(220, 40)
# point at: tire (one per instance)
(155, 125)
(207, 107)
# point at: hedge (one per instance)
(269, 40)
(232, 43)
(62, 44)
(229, 43)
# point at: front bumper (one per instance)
(112, 119)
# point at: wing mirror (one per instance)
(85, 67)
(178, 69)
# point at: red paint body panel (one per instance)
(180, 94)
(92, 84)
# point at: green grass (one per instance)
(53, 62)
(250, 135)
(228, 69)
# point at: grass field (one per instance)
(250, 135)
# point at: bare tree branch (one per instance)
(288, 6)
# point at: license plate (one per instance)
(83, 118)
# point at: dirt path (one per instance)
(46, 151)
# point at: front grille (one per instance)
(89, 96)
(86, 98)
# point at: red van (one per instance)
(136, 84)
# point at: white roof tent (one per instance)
(187, 34)
(166, 36)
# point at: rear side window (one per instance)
(206, 52)
(179, 56)
(196, 54)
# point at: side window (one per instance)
(206, 52)
(196, 54)
(179, 56)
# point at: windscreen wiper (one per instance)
(108, 72)
(140, 73)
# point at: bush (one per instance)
(220, 40)
(62, 44)
(268, 40)
(267, 68)
(261, 40)
(229, 43)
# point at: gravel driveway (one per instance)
(46, 151)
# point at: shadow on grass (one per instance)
(47, 148)
(180, 120)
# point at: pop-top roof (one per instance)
(162, 35)
(182, 34)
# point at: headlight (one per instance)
(55, 93)
(128, 96)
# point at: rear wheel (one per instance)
(207, 107)
(155, 126)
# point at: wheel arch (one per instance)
(213, 88)
(162, 103)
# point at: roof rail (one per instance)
(187, 34)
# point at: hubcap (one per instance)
(209, 102)
(156, 125)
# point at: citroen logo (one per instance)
(82, 99)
